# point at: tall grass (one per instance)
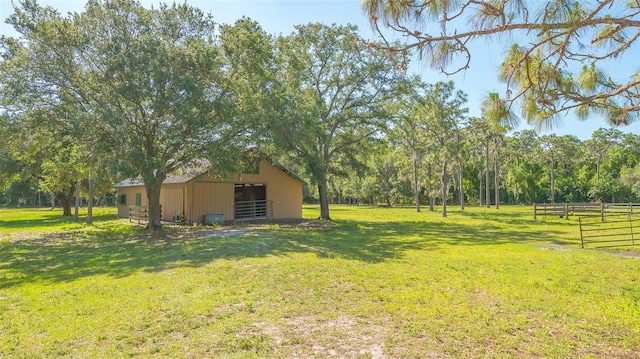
(375, 282)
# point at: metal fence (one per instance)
(584, 210)
(617, 231)
(254, 209)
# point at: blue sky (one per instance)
(280, 16)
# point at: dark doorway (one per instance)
(250, 192)
(251, 201)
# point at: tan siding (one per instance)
(172, 200)
(123, 210)
(284, 190)
(206, 195)
(188, 203)
(212, 197)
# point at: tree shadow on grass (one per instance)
(52, 219)
(512, 218)
(116, 252)
(380, 241)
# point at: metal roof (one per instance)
(189, 173)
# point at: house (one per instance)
(263, 190)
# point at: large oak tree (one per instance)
(156, 84)
(333, 98)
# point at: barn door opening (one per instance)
(251, 201)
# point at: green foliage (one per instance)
(442, 113)
(631, 178)
(556, 63)
(498, 113)
(147, 90)
(332, 99)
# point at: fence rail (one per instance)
(139, 213)
(596, 210)
(254, 209)
(617, 231)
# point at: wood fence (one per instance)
(616, 231)
(139, 213)
(584, 210)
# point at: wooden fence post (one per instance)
(535, 212)
(566, 210)
(602, 211)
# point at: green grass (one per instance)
(375, 282)
(47, 220)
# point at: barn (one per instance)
(262, 190)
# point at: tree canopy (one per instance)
(155, 85)
(333, 98)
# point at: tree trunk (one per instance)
(496, 178)
(481, 187)
(487, 181)
(461, 186)
(155, 209)
(432, 200)
(65, 201)
(553, 180)
(53, 201)
(77, 206)
(324, 200)
(90, 204)
(395, 199)
(444, 180)
(416, 182)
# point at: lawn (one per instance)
(24, 220)
(373, 283)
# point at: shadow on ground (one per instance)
(51, 218)
(123, 250)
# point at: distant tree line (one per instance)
(533, 168)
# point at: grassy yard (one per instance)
(374, 283)
(27, 220)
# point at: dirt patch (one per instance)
(622, 253)
(557, 247)
(283, 223)
(221, 232)
(169, 232)
(318, 223)
(242, 227)
(342, 337)
(631, 253)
